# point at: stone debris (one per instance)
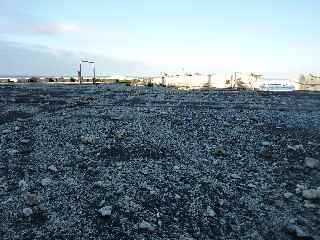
(158, 163)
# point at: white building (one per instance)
(307, 82)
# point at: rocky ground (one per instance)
(118, 162)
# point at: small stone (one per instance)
(40, 211)
(265, 143)
(296, 147)
(210, 212)
(16, 128)
(235, 176)
(309, 204)
(311, 194)
(297, 231)
(31, 199)
(23, 185)
(288, 195)
(186, 237)
(25, 141)
(266, 152)
(102, 202)
(52, 168)
(312, 162)
(10, 199)
(100, 184)
(176, 168)
(120, 135)
(221, 202)
(106, 211)
(300, 188)
(219, 151)
(45, 182)
(6, 131)
(13, 152)
(88, 140)
(144, 225)
(27, 212)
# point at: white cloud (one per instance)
(25, 59)
(52, 28)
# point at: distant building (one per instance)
(197, 80)
(8, 80)
(307, 82)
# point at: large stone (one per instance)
(219, 151)
(105, 211)
(88, 140)
(266, 152)
(31, 199)
(6, 131)
(25, 141)
(27, 212)
(52, 168)
(23, 185)
(311, 194)
(288, 195)
(312, 162)
(297, 231)
(210, 212)
(296, 147)
(46, 181)
(144, 225)
(265, 143)
(235, 176)
(100, 184)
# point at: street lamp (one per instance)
(93, 68)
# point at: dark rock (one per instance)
(31, 199)
(298, 232)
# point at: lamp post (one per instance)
(93, 68)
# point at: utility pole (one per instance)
(80, 74)
(94, 73)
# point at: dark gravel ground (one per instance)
(161, 163)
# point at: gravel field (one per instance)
(119, 162)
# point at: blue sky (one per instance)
(268, 36)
